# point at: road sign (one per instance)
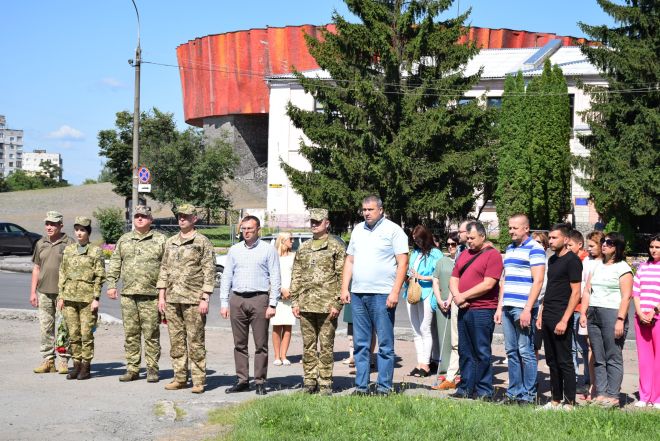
(144, 175)
(144, 188)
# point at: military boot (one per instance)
(73, 375)
(129, 376)
(63, 366)
(174, 385)
(152, 375)
(84, 371)
(46, 367)
(198, 389)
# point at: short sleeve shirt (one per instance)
(374, 253)
(48, 255)
(562, 271)
(488, 264)
(605, 290)
(518, 263)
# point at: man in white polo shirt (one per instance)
(376, 263)
(524, 269)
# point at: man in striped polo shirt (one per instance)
(524, 269)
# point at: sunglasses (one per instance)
(608, 242)
(451, 244)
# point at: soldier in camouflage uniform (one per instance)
(47, 258)
(185, 283)
(315, 299)
(136, 260)
(82, 274)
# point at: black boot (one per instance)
(73, 374)
(84, 371)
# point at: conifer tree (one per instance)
(391, 123)
(622, 167)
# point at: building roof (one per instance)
(223, 74)
(497, 63)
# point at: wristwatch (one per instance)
(621, 319)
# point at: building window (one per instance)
(318, 107)
(11, 156)
(571, 107)
(494, 102)
(465, 100)
(11, 164)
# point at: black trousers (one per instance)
(559, 356)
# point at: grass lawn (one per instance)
(404, 417)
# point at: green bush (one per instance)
(111, 223)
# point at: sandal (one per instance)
(414, 373)
(423, 373)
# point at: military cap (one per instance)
(54, 216)
(143, 210)
(186, 209)
(318, 214)
(82, 221)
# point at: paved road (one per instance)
(15, 288)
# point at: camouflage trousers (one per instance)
(318, 334)
(81, 322)
(47, 317)
(141, 319)
(186, 328)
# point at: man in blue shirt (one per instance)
(376, 263)
(524, 269)
(252, 275)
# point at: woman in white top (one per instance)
(605, 304)
(283, 320)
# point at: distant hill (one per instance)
(28, 208)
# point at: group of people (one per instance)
(572, 301)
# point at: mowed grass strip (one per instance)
(403, 417)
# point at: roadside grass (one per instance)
(402, 417)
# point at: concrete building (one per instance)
(224, 92)
(32, 161)
(11, 148)
(285, 207)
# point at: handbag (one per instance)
(414, 293)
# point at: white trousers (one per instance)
(420, 315)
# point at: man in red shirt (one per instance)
(474, 287)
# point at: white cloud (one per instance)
(67, 133)
(112, 83)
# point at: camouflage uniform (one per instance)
(81, 276)
(136, 260)
(315, 288)
(186, 272)
(45, 249)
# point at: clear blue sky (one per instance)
(64, 63)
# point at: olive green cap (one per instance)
(143, 210)
(54, 216)
(82, 221)
(186, 209)
(318, 214)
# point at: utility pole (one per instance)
(136, 120)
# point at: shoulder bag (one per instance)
(414, 293)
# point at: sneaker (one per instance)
(63, 366)
(550, 406)
(348, 360)
(46, 367)
(656, 406)
(641, 404)
(359, 393)
(445, 385)
(566, 407)
(286, 362)
(277, 362)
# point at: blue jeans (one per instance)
(475, 336)
(579, 343)
(369, 312)
(519, 345)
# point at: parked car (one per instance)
(298, 239)
(15, 239)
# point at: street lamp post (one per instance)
(136, 119)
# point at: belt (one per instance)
(250, 293)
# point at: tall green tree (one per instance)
(391, 123)
(624, 158)
(534, 158)
(184, 166)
